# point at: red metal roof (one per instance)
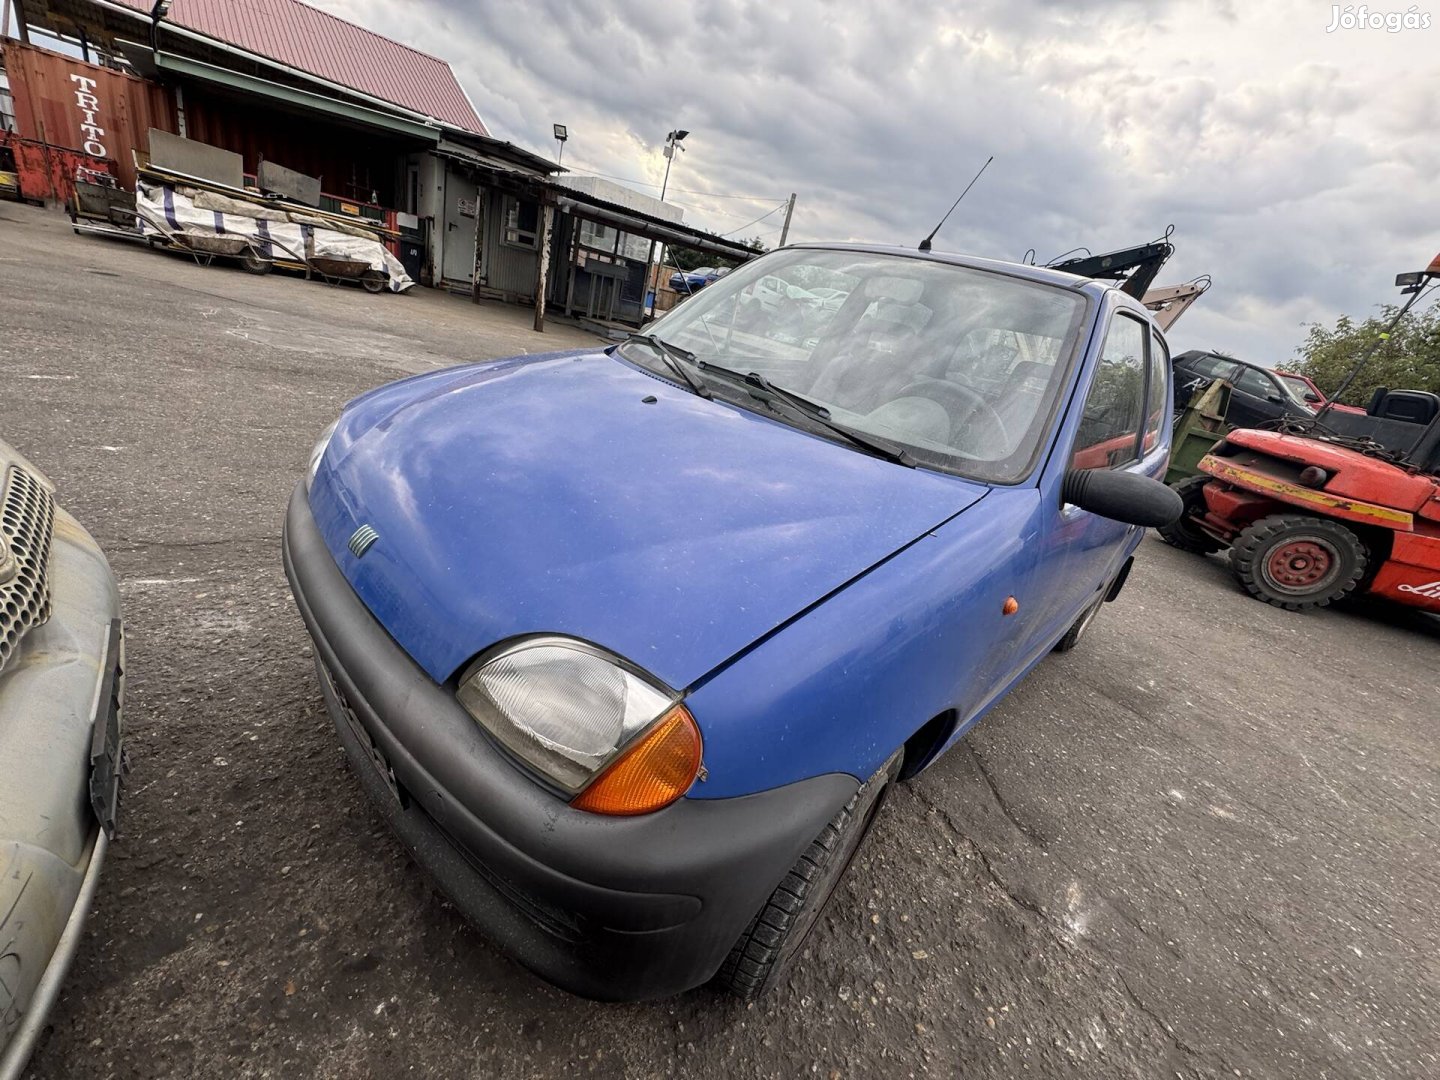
(319, 43)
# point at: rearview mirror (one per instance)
(1122, 496)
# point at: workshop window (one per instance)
(522, 222)
(598, 237)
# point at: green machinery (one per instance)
(1197, 428)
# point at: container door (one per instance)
(458, 255)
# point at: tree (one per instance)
(1410, 360)
(684, 258)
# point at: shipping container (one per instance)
(78, 106)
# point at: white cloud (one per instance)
(1296, 165)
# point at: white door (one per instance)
(458, 253)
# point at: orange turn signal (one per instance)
(652, 774)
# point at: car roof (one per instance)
(1192, 354)
(1041, 274)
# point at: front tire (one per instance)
(1294, 561)
(768, 947)
(1183, 533)
(1077, 630)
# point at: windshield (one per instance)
(1296, 388)
(960, 366)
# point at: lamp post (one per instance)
(561, 135)
(672, 143)
(652, 272)
(157, 14)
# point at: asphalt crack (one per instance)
(1029, 834)
(186, 545)
(1062, 934)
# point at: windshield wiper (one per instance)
(675, 359)
(762, 389)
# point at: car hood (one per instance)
(580, 495)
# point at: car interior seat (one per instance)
(1409, 406)
(863, 373)
(1023, 391)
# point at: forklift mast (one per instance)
(1168, 302)
(1141, 264)
(1136, 268)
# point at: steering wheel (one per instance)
(960, 402)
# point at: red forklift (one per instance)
(1319, 508)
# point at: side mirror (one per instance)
(1122, 496)
(1313, 398)
(1275, 399)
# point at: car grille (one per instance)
(27, 522)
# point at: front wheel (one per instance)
(1295, 561)
(1183, 533)
(769, 945)
(1077, 629)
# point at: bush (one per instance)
(1410, 360)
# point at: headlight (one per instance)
(318, 452)
(616, 741)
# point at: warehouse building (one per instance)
(387, 130)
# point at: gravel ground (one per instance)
(1202, 845)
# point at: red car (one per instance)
(1311, 393)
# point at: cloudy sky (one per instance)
(1299, 167)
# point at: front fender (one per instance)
(840, 688)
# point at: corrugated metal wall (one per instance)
(508, 270)
(67, 102)
(349, 163)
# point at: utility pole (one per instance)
(785, 229)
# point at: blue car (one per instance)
(690, 281)
(629, 644)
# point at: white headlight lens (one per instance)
(561, 706)
(317, 452)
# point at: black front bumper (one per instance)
(612, 908)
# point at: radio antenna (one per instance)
(925, 244)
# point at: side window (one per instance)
(1252, 382)
(1110, 425)
(522, 222)
(1160, 401)
(1212, 367)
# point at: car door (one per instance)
(1254, 400)
(1120, 425)
(1194, 373)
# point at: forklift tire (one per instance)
(1182, 532)
(1295, 561)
